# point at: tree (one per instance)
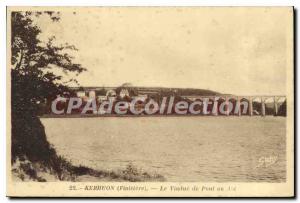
(32, 61)
(33, 81)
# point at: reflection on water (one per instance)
(207, 149)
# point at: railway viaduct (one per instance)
(239, 100)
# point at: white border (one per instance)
(5, 3)
(148, 3)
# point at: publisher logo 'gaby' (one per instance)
(141, 106)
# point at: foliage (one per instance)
(33, 61)
(33, 81)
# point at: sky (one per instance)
(228, 50)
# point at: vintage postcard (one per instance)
(150, 102)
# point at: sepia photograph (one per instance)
(150, 101)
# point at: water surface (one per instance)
(207, 149)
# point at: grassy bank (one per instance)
(25, 170)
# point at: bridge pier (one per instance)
(215, 109)
(250, 107)
(263, 107)
(275, 106)
(238, 106)
(227, 106)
